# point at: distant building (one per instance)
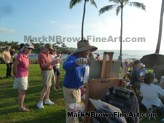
(2, 47)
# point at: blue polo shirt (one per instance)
(74, 73)
(135, 74)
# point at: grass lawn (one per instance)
(50, 114)
(8, 101)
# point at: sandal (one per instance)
(23, 109)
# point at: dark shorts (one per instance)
(57, 71)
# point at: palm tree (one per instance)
(160, 28)
(73, 3)
(119, 5)
(63, 45)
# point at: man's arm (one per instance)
(70, 63)
(46, 65)
(159, 90)
(3, 56)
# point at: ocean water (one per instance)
(129, 54)
(126, 54)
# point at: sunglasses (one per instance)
(30, 48)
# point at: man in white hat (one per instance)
(75, 69)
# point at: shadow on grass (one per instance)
(8, 110)
(33, 90)
(57, 116)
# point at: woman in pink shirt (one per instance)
(20, 71)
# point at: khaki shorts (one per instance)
(48, 77)
(21, 83)
(71, 96)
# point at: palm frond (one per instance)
(118, 10)
(94, 3)
(106, 8)
(114, 1)
(138, 5)
(74, 2)
(125, 2)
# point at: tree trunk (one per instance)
(82, 25)
(160, 28)
(121, 32)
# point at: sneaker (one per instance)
(40, 105)
(49, 102)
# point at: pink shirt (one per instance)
(22, 68)
(44, 58)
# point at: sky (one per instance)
(44, 20)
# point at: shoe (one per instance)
(40, 105)
(58, 87)
(23, 109)
(48, 102)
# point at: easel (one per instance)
(97, 87)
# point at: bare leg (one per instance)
(57, 82)
(21, 97)
(43, 93)
(48, 93)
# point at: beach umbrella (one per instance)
(152, 60)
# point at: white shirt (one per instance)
(6, 56)
(86, 74)
(150, 95)
(53, 57)
(57, 65)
